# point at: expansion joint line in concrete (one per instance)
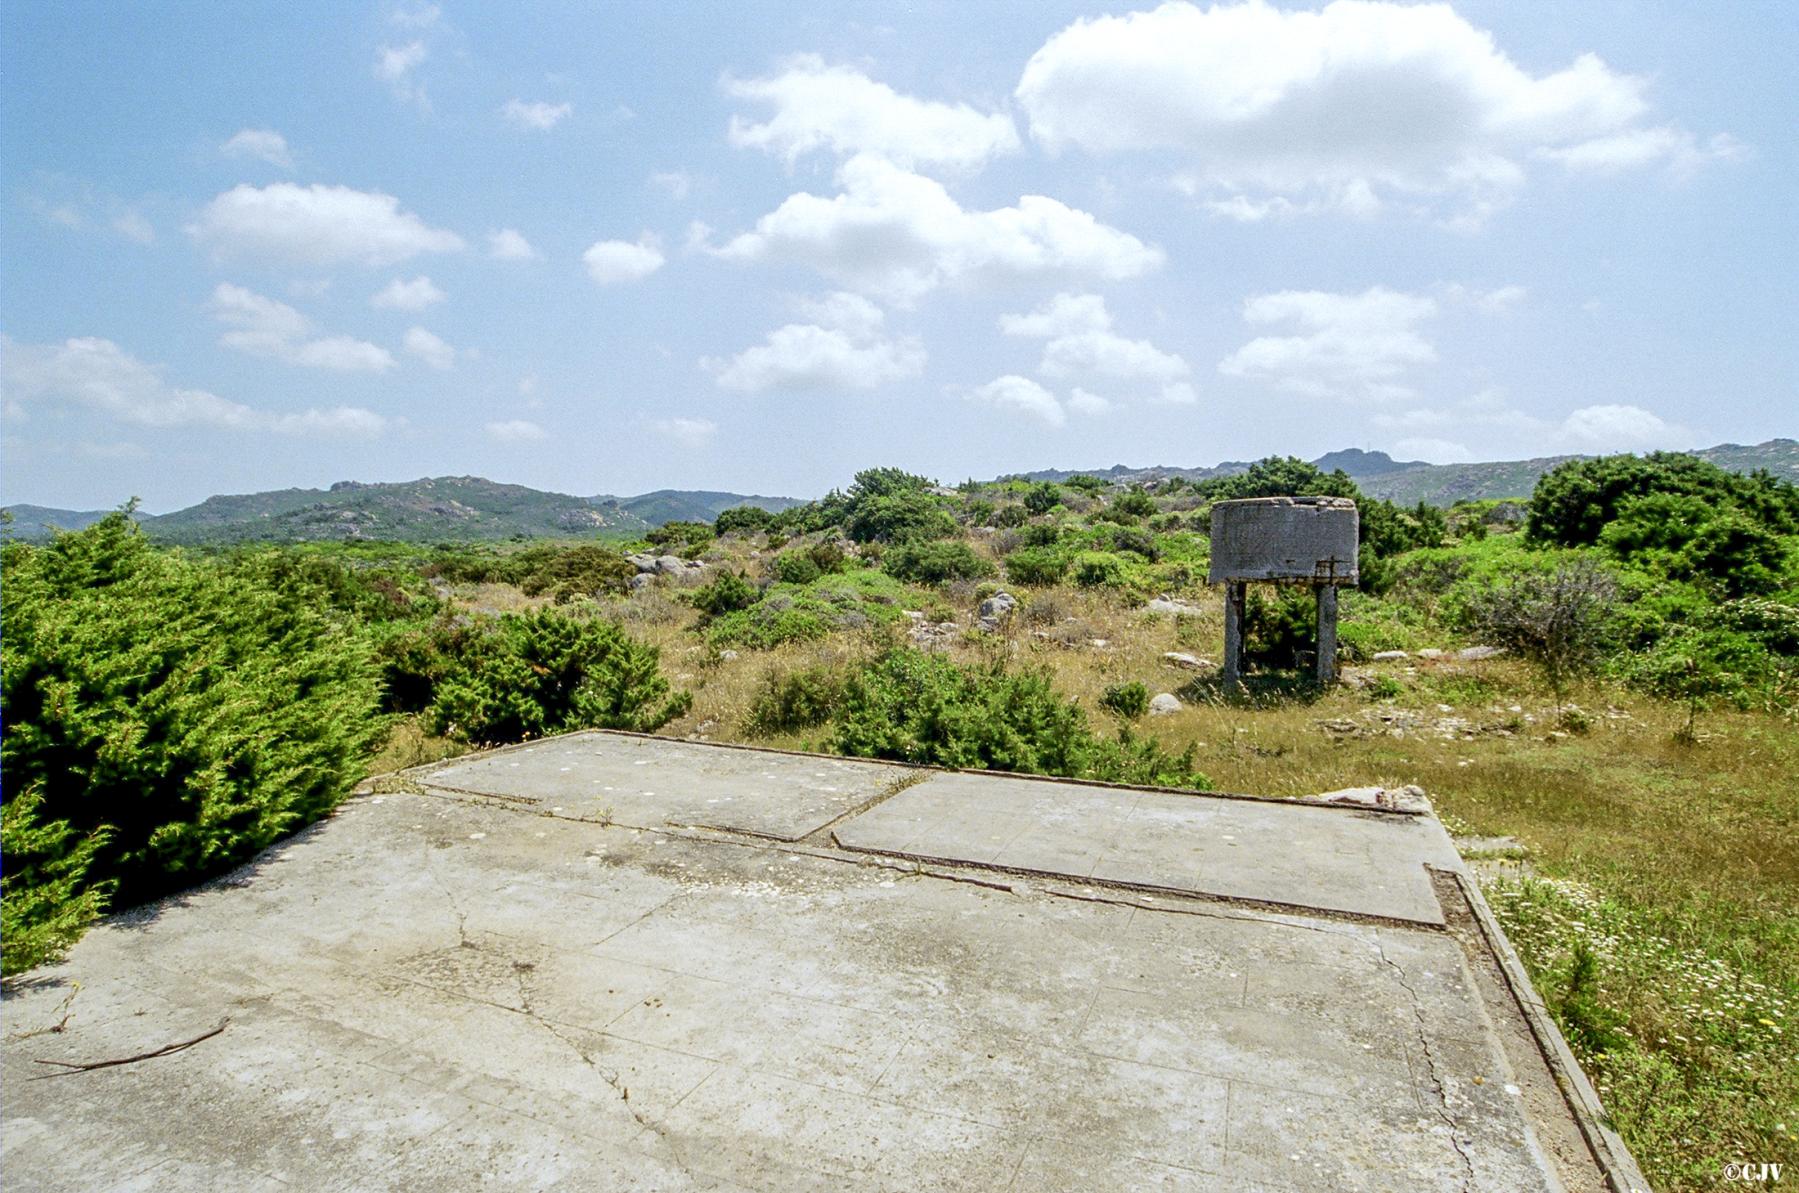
(1430, 1065)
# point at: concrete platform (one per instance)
(438, 990)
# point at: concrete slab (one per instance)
(1291, 854)
(444, 992)
(647, 782)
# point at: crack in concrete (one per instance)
(1430, 1066)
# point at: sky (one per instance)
(622, 247)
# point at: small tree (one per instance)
(1558, 620)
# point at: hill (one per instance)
(1409, 482)
(432, 509)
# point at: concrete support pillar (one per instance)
(1327, 633)
(1234, 595)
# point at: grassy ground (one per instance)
(1657, 900)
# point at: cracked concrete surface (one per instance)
(483, 984)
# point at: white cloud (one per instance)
(676, 182)
(415, 295)
(429, 348)
(508, 244)
(538, 115)
(1433, 451)
(898, 235)
(315, 226)
(1494, 302)
(847, 312)
(99, 375)
(263, 144)
(515, 430)
(1614, 428)
(842, 110)
(690, 433)
(266, 327)
(612, 261)
(1021, 395)
(394, 65)
(1080, 343)
(1348, 345)
(1636, 148)
(1334, 108)
(808, 356)
(1091, 404)
(134, 227)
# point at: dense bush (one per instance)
(1280, 628)
(1560, 620)
(796, 567)
(1096, 569)
(909, 516)
(727, 593)
(1574, 502)
(1126, 700)
(563, 572)
(742, 519)
(48, 896)
(1037, 566)
(173, 712)
(791, 701)
(916, 707)
(526, 675)
(682, 538)
(1042, 497)
(1136, 503)
(933, 563)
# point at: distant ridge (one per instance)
(1409, 482)
(432, 509)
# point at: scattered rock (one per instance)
(1170, 605)
(640, 580)
(643, 563)
(1474, 654)
(668, 565)
(913, 614)
(1390, 656)
(726, 656)
(1431, 653)
(1100, 643)
(1163, 704)
(935, 635)
(1410, 798)
(1176, 658)
(996, 609)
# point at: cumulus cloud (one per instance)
(1493, 302)
(898, 235)
(842, 110)
(1346, 345)
(263, 144)
(515, 430)
(1637, 148)
(414, 295)
(315, 226)
(395, 66)
(508, 244)
(99, 375)
(613, 261)
(1020, 395)
(1081, 343)
(538, 115)
(266, 327)
(688, 432)
(1083, 402)
(429, 348)
(843, 348)
(1613, 428)
(1597, 429)
(1336, 107)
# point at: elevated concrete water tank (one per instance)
(1285, 540)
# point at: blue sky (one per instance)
(758, 247)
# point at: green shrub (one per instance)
(796, 567)
(1096, 569)
(682, 538)
(791, 701)
(1009, 517)
(979, 512)
(1085, 483)
(910, 516)
(1136, 503)
(1042, 566)
(48, 898)
(1279, 630)
(911, 706)
(778, 619)
(545, 672)
(934, 563)
(1042, 497)
(1575, 502)
(727, 593)
(742, 519)
(192, 713)
(414, 661)
(1559, 620)
(828, 557)
(1128, 701)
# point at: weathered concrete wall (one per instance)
(1284, 539)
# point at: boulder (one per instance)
(1163, 704)
(1475, 654)
(1177, 658)
(1174, 607)
(1389, 656)
(643, 563)
(669, 565)
(996, 609)
(640, 580)
(938, 635)
(1431, 652)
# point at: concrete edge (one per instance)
(416, 773)
(1608, 1148)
